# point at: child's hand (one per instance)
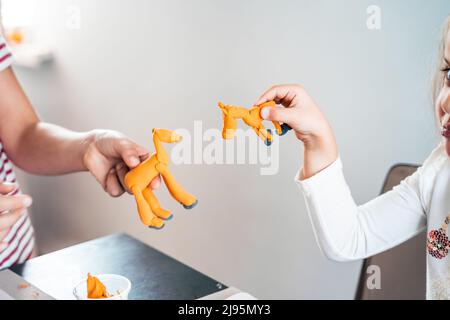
(299, 111)
(302, 114)
(11, 209)
(109, 156)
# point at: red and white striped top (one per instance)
(20, 238)
(5, 55)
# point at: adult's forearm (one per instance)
(49, 149)
(32, 145)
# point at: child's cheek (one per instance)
(444, 99)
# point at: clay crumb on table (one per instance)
(23, 286)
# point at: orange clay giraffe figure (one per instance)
(138, 179)
(251, 117)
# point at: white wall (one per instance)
(139, 64)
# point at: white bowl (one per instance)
(118, 286)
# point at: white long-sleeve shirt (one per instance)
(346, 231)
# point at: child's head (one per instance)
(441, 81)
(441, 85)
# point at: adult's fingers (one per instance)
(7, 187)
(130, 152)
(121, 171)
(113, 186)
(155, 183)
(9, 219)
(11, 203)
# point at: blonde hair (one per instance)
(438, 79)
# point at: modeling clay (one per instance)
(15, 37)
(95, 288)
(138, 179)
(23, 286)
(252, 117)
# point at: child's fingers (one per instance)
(113, 186)
(7, 187)
(284, 94)
(276, 114)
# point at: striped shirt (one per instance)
(20, 237)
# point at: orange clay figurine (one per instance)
(16, 37)
(252, 117)
(95, 288)
(138, 179)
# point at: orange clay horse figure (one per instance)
(251, 117)
(138, 179)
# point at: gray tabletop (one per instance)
(153, 274)
(13, 287)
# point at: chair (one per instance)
(403, 268)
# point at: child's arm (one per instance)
(43, 148)
(309, 124)
(344, 230)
